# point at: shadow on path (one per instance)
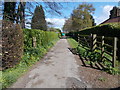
(97, 66)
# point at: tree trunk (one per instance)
(22, 14)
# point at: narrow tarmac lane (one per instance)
(58, 69)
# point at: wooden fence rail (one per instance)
(91, 41)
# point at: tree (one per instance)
(9, 11)
(18, 11)
(68, 25)
(81, 17)
(21, 14)
(38, 19)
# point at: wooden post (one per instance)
(91, 41)
(34, 41)
(94, 42)
(118, 51)
(102, 47)
(114, 51)
(78, 39)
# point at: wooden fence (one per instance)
(106, 46)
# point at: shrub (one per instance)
(43, 38)
(12, 44)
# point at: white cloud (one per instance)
(104, 15)
(57, 22)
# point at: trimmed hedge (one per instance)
(12, 44)
(43, 38)
(110, 30)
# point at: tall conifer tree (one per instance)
(38, 19)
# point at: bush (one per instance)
(110, 30)
(12, 44)
(43, 38)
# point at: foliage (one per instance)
(38, 19)
(45, 40)
(9, 11)
(108, 30)
(102, 79)
(95, 56)
(12, 45)
(111, 29)
(68, 25)
(110, 69)
(80, 18)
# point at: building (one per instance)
(114, 15)
(111, 20)
(115, 12)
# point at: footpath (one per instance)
(58, 69)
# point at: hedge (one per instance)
(43, 38)
(110, 30)
(12, 44)
(15, 41)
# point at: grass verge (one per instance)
(72, 42)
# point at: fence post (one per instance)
(114, 51)
(94, 41)
(102, 47)
(78, 39)
(91, 41)
(34, 41)
(118, 51)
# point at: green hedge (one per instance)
(43, 38)
(110, 30)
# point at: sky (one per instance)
(101, 13)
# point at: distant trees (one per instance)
(38, 19)
(68, 25)
(80, 18)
